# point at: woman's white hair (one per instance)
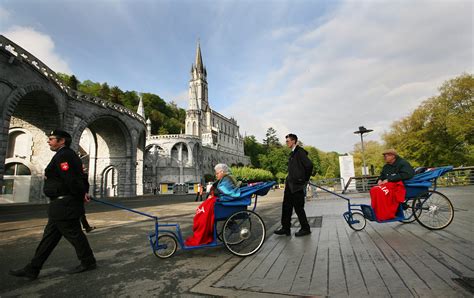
(222, 167)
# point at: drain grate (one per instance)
(466, 282)
(314, 222)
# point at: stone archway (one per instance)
(105, 143)
(32, 112)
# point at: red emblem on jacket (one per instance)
(64, 166)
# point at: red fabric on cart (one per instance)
(386, 198)
(203, 224)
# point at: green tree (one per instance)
(275, 160)
(73, 82)
(89, 87)
(253, 149)
(104, 92)
(441, 130)
(163, 131)
(130, 100)
(116, 95)
(313, 155)
(271, 139)
(372, 154)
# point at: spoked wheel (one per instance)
(244, 233)
(408, 213)
(356, 221)
(167, 246)
(433, 210)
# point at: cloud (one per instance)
(40, 45)
(4, 13)
(371, 63)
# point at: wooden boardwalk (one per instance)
(384, 260)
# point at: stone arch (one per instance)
(32, 111)
(180, 154)
(109, 182)
(195, 132)
(112, 145)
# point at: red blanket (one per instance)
(203, 225)
(386, 199)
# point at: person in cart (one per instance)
(203, 223)
(390, 190)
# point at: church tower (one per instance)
(196, 123)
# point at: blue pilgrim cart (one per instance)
(423, 203)
(240, 230)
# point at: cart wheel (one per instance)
(433, 210)
(408, 213)
(167, 246)
(244, 233)
(356, 221)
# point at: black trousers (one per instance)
(293, 200)
(53, 232)
(84, 222)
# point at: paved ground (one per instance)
(391, 259)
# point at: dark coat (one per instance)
(300, 168)
(398, 171)
(65, 178)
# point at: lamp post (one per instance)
(361, 131)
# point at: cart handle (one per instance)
(124, 208)
(327, 190)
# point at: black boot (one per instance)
(30, 274)
(282, 231)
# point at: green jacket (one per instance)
(399, 170)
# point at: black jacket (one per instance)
(400, 170)
(65, 178)
(300, 168)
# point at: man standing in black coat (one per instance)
(66, 186)
(299, 173)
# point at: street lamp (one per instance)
(361, 131)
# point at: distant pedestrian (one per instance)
(300, 168)
(66, 186)
(199, 192)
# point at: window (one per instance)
(17, 169)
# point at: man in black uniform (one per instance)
(66, 185)
(300, 168)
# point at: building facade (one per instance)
(210, 138)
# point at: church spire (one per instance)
(199, 64)
(141, 109)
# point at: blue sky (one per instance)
(315, 68)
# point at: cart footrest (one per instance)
(368, 212)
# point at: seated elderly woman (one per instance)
(203, 225)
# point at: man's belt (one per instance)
(59, 198)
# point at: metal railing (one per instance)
(457, 177)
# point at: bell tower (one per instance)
(196, 123)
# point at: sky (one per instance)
(319, 69)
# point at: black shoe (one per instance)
(90, 229)
(82, 268)
(282, 232)
(302, 233)
(24, 273)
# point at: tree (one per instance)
(89, 87)
(271, 140)
(116, 95)
(130, 100)
(441, 130)
(275, 160)
(104, 92)
(253, 149)
(372, 154)
(73, 82)
(313, 155)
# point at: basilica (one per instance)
(177, 163)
